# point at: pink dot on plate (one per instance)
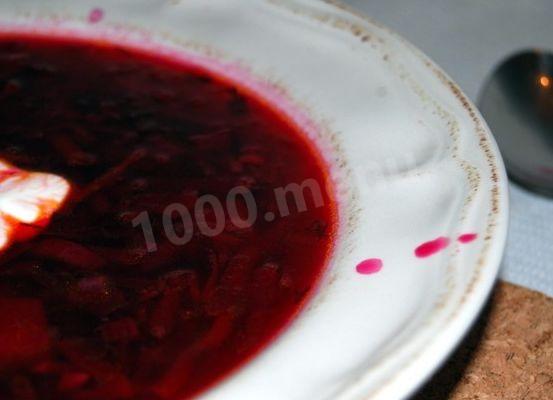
(370, 266)
(467, 237)
(432, 247)
(95, 15)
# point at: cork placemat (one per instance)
(507, 355)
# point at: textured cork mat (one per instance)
(507, 355)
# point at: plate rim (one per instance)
(481, 287)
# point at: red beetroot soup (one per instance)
(99, 306)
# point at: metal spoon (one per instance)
(517, 103)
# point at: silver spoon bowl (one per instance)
(517, 103)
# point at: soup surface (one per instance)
(197, 225)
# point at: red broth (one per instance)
(86, 311)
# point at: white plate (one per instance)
(410, 156)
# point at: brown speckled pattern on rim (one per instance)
(473, 177)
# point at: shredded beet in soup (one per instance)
(197, 223)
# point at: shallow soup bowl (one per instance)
(419, 184)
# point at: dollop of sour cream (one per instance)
(27, 202)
